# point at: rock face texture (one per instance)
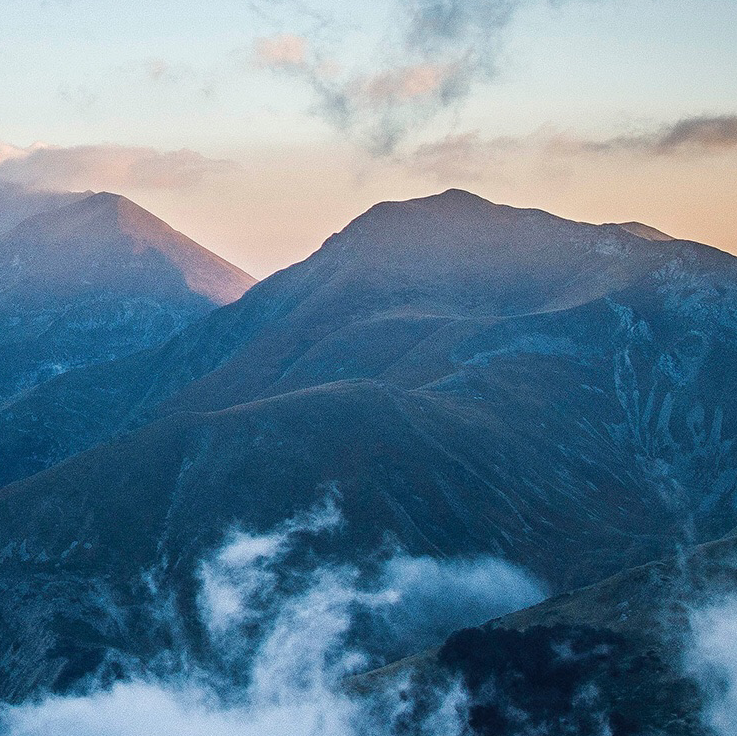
(96, 280)
(470, 378)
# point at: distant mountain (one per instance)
(95, 280)
(469, 377)
(401, 272)
(18, 203)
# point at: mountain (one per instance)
(443, 266)
(95, 280)
(630, 641)
(468, 377)
(645, 231)
(18, 203)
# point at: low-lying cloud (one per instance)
(108, 166)
(435, 597)
(712, 661)
(294, 633)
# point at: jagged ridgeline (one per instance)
(468, 378)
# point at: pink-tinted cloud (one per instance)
(8, 152)
(434, 51)
(109, 167)
(281, 51)
(460, 157)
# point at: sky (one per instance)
(260, 127)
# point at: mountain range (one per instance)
(465, 378)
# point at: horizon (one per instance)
(647, 225)
(258, 127)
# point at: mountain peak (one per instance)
(108, 237)
(645, 231)
(459, 196)
(508, 259)
(115, 210)
(448, 199)
(462, 208)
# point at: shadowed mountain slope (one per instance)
(364, 305)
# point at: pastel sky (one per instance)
(259, 127)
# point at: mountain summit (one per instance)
(105, 243)
(96, 280)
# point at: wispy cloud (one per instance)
(108, 166)
(694, 134)
(425, 60)
(281, 51)
(159, 71)
(460, 156)
(81, 97)
(466, 156)
(426, 57)
(712, 660)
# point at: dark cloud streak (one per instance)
(696, 134)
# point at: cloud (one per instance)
(705, 132)
(407, 83)
(463, 28)
(459, 156)
(427, 59)
(108, 167)
(9, 152)
(159, 70)
(240, 579)
(712, 660)
(466, 156)
(434, 597)
(162, 74)
(700, 134)
(292, 640)
(80, 97)
(281, 51)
